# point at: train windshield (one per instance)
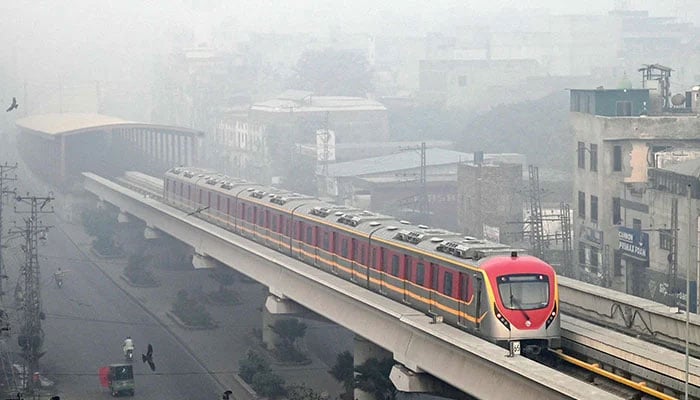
(524, 292)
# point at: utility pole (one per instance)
(4, 191)
(423, 202)
(31, 335)
(536, 226)
(567, 257)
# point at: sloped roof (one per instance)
(689, 168)
(71, 123)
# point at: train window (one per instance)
(218, 202)
(209, 203)
(374, 257)
(288, 228)
(309, 235)
(355, 254)
(167, 185)
(274, 223)
(362, 255)
(395, 265)
(261, 218)
(420, 273)
(325, 241)
(181, 191)
(344, 248)
(249, 217)
(447, 284)
(200, 196)
(382, 259)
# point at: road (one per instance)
(86, 322)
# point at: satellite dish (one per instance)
(678, 99)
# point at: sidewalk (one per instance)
(221, 348)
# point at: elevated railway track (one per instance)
(638, 363)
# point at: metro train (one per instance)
(485, 288)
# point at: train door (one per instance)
(353, 258)
(434, 284)
(465, 297)
(300, 234)
(241, 218)
(316, 244)
(407, 275)
(382, 268)
(228, 210)
(335, 244)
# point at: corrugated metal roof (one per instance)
(56, 124)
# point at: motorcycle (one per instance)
(59, 280)
(129, 355)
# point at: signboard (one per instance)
(634, 243)
(325, 145)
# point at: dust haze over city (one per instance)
(412, 148)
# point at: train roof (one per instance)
(434, 241)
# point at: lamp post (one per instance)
(687, 294)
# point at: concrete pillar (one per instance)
(123, 217)
(151, 233)
(203, 261)
(364, 350)
(276, 307)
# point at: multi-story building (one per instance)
(618, 134)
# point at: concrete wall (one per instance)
(490, 195)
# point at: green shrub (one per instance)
(253, 364)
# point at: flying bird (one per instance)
(148, 357)
(13, 106)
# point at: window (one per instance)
(617, 158)
(309, 235)
(665, 239)
(616, 211)
(594, 157)
(408, 271)
(581, 155)
(623, 108)
(462, 80)
(582, 204)
(594, 208)
(447, 287)
(395, 265)
(582, 256)
(617, 263)
(524, 292)
(420, 273)
(637, 224)
(274, 223)
(595, 254)
(325, 241)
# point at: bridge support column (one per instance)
(364, 350)
(151, 233)
(275, 309)
(123, 218)
(203, 261)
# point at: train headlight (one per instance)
(552, 316)
(500, 317)
(528, 323)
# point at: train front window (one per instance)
(524, 292)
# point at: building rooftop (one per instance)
(688, 168)
(73, 123)
(301, 101)
(411, 159)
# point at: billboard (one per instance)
(633, 243)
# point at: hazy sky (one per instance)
(59, 39)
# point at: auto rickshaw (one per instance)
(119, 378)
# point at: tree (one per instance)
(191, 311)
(289, 331)
(373, 377)
(253, 364)
(332, 72)
(301, 392)
(268, 384)
(344, 372)
(101, 224)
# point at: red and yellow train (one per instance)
(485, 288)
